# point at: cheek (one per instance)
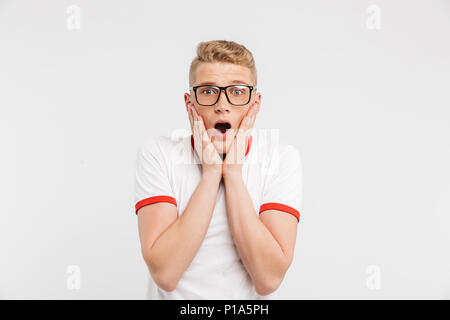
(204, 117)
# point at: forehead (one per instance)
(222, 74)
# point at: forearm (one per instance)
(174, 250)
(260, 252)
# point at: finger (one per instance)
(251, 112)
(245, 123)
(200, 124)
(197, 133)
(255, 108)
(191, 121)
(189, 113)
(197, 124)
(251, 124)
(231, 152)
(251, 109)
(194, 122)
(252, 121)
(198, 121)
(194, 112)
(245, 130)
(201, 127)
(251, 118)
(204, 138)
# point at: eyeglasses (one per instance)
(237, 95)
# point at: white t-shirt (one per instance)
(169, 170)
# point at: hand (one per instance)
(204, 147)
(236, 153)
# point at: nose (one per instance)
(222, 105)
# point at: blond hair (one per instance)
(222, 51)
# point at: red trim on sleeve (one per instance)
(155, 199)
(250, 139)
(281, 207)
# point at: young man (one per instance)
(224, 225)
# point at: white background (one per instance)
(368, 109)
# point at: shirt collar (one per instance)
(250, 139)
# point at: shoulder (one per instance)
(156, 142)
(289, 152)
(164, 147)
(286, 160)
(274, 151)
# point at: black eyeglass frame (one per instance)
(251, 88)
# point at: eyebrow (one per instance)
(215, 84)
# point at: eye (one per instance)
(208, 91)
(237, 91)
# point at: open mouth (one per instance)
(222, 126)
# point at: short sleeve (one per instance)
(283, 182)
(152, 183)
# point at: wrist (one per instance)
(232, 174)
(212, 175)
